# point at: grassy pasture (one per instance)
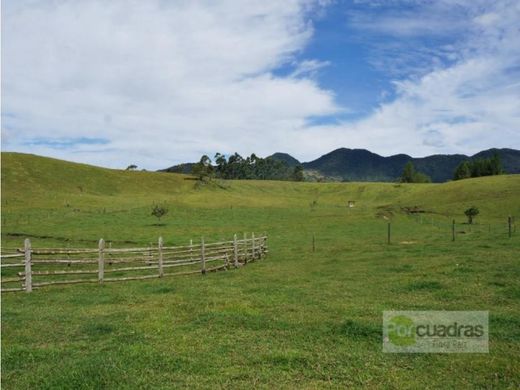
(296, 319)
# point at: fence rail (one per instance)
(28, 268)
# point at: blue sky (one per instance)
(157, 83)
(344, 53)
(364, 62)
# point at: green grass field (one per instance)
(298, 319)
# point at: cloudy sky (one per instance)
(159, 82)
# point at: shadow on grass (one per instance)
(358, 330)
(430, 285)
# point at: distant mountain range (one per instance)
(363, 165)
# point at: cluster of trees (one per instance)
(479, 167)
(410, 175)
(252, 167)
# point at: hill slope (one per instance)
(298, 318)
(38, 183)
(30, 180)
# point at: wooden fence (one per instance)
(29, 268)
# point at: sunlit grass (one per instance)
(297, 319)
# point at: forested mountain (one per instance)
(363, 165)
(235, 167)
(286, 158)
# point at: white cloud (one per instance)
(488, 19)
(163, 82)
(309, 68)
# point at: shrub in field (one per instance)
(471, 213)
(159, 211)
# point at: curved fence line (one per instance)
(30, 268)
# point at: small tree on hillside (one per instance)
(420, 177)
(496, 165)
(131, 167)
(159, 211)
(410, 175)
(471, 213)
(297, 174)
(203, 169)
(408, 172)
(463, 171)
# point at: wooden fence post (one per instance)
(453, 230)
(226, 262)
(264, 243)
(202, 257)
(253, 245)
(160, 247)
(313, 242)
(101, 260)
(245, 248)
(509, 225)
(235, 251)
(389, 231)
(28, 261)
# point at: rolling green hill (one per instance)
(298, 318)
(32, 182)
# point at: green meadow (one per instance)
(296, 319)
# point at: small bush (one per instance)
(159, 211)
(471, 213)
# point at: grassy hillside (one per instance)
(296, 319)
